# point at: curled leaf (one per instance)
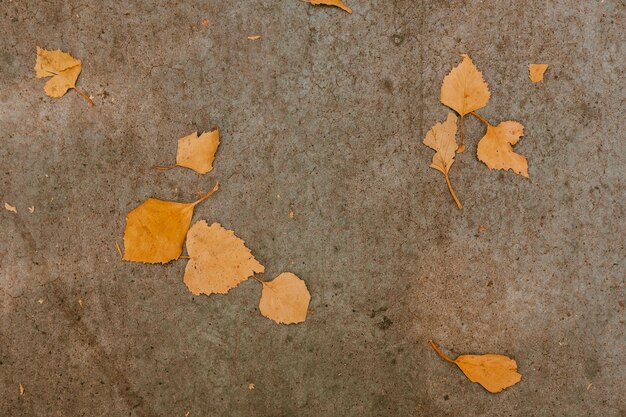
(219, 260)
(156, 229)
(493, 372)
(442, 138)
(496, 151)
(285, 299)
(536, 71)
(336, 3)
(64, 70)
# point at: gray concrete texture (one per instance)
(323, 116)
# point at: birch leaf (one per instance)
(219, 260)
(285, 299)
(464, 89)
(493, 372)
(336, 3)
(197, 152)
(536, 71)
(442, 138)
(64, 70)
(156, 229)
(496, 151)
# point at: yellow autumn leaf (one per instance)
(493, 372)
(219, 260)
(285, 299)
(156, 229)
(464, 89)
(536, 71)
(442, 138)
(196, 152)
(10, 208)
(64, 70)
(496, 151)
(336, 3)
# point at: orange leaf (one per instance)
(536, 71)
(285, 299)
(496, 151)
(336, 3)
(464, 89)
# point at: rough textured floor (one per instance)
(323, 116)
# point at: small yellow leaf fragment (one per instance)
(21, 389)
(64, 70)
(536, 71)
(292, 215)
(10, 208)
(205, 22)
(250, 386)
(285, 299)
(482, 229)
(219, 260)
(496, 151)
(464, 89)
(80, 302)
(31, 209)
(254, 37)
(336, 3)
(156, 229)
(40, 301)
(493, 372)
(442, 138)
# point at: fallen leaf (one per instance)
(80, 302)
(254, 37)
(493, 372)
(156, 229)
(464, 90)
(336, 3)
(250, 387)
(292, 215)
(285, 299)
(31, 209)
(482, 229)
(219, 260)
(40, 301)
(21, 389)
(442, 138)
(64, 70)
(197, 152)
(496, 151)
(536, 71)
(9, 207)
(205, 22)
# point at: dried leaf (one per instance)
(285, 299)
(464, 89)
(493, 372)
(21, 389)
(442, 138)
(64, 70)
(31, 209)
(10, 208)
(197, 152)
(155, 231)
(219, 260)
(536, 71)
(496, 151)
(336, 3)
(254, 37)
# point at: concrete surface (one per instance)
(323, 116)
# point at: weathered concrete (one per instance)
(324, 116)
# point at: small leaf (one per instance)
(442, 138)
(10, 208)
(493, 372)
(536, 71)
(64, 70)
(285, 299)
(196, 152)
(336, 3)
(156, 229)
(219, 260)
(496, 151)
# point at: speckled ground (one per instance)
(323, 116)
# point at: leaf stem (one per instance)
(209, 194)
(160, 168)
(479, 117)
(258, 280)
(461, 147)
(452, 193)
(440, 353)
(85, 95)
